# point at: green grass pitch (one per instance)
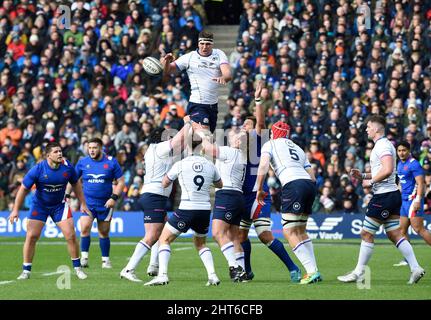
(188, 277)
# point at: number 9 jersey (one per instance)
(195, 174)
(288, 160)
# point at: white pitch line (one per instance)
(6, 282)
(181, 249)
(51, 273)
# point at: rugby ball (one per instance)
(152, 66)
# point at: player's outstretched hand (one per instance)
(356, 173)
(260, 197)
(13, 216)
(168, 58)
(85, 209)
(220, 80)
(110, 203)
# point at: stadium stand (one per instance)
(326, 65)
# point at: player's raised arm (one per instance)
(168, 65)
(77, 188)
(178, 141)
(19, 200)
(260, 111)
(261, 175)
(209, 148)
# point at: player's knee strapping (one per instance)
(290, 220)
(262, 225)
(172, 229)
(244, 224)
(370, 225)
(391, 225)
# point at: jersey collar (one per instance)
(379, 139)
(410, 156)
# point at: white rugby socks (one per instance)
(140, 251)
(154, 259)
(406, 250)
(229, 254)
(207, 259)
(164, 256)
(365, 253)
(304, 256)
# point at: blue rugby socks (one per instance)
(85, 244)
(277, 247)
(246, 246)
(105, 246)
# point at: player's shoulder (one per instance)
(414, 162)
(66, 163)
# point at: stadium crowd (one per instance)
(326, 66)
(329, 64)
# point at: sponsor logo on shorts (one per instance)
(181, 224)
(385, 213)
(34, 213)
(296, 206)
(105, 166)
(206, 120)
(228, 215)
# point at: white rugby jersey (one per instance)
(196, 174)
(201, 70)
(231, 164)
(157, 161)
(288, 160)
(383, 147)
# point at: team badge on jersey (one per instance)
(197, 167)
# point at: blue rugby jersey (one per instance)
(50, 183)
(407, 171)
(97, 177)
(253, 159)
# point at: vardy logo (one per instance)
(96, 178)
(322, 232)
